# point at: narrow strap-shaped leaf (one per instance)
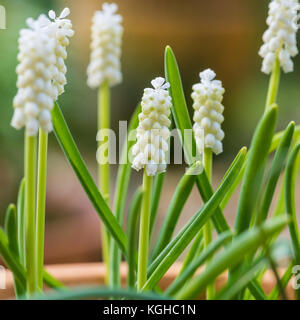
(52, 282)
(123, 176)
(256, 290)
(241, 279)
(183, 123)
(255, 167)
(156, 194)
(275, 293)
(122, 183)
(179, 108)
(11, 262)
(276, 168)
(16, 267)
(169, 255)
(194, 251)
(11, 229)
(182, 279)
(100, 292)
(206, 192)
(166, 250)
(72, 153)
(248, 241)
(21, 222)
(277, 137)
(180, 196)
(132, 224)
(290, 182)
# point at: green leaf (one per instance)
(72, 153)
(248, 241)
(51, 282)
(256, 290)
(180, 196)
(16, 267)
(277, 137)
(194, 251)
(276, 168)
(122, 184)
(179, 109)
(11, 229)
(21, 228)
(132, 224)
(241, 279)
(11, 262)
(275, 293)
(100, 292)
(187, 274)
(124, 170)
(255, 167)
(173, 250)
(290, 184)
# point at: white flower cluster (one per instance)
(153, 131)
(107, 33)
(207, 96)
(280, 37)
(41, 72)
(62, 32)
(34, 99)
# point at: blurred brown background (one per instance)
(222, 35)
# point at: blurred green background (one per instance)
(222, 35)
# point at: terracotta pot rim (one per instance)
(79, 274)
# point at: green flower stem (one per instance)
(273, 84)
(41, 204)
(207, 164)
(157, 190)
(144, 231)
(30, 210)
(103, 169)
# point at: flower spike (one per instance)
(34, 99)
(153, 130)
(280, 37)
(41, 71)
(107, 33)
(207, 96)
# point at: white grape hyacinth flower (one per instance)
(34, 99)
(280, 37)
(106, 42)
(207, 97)
(153, 132)
(61, 30)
